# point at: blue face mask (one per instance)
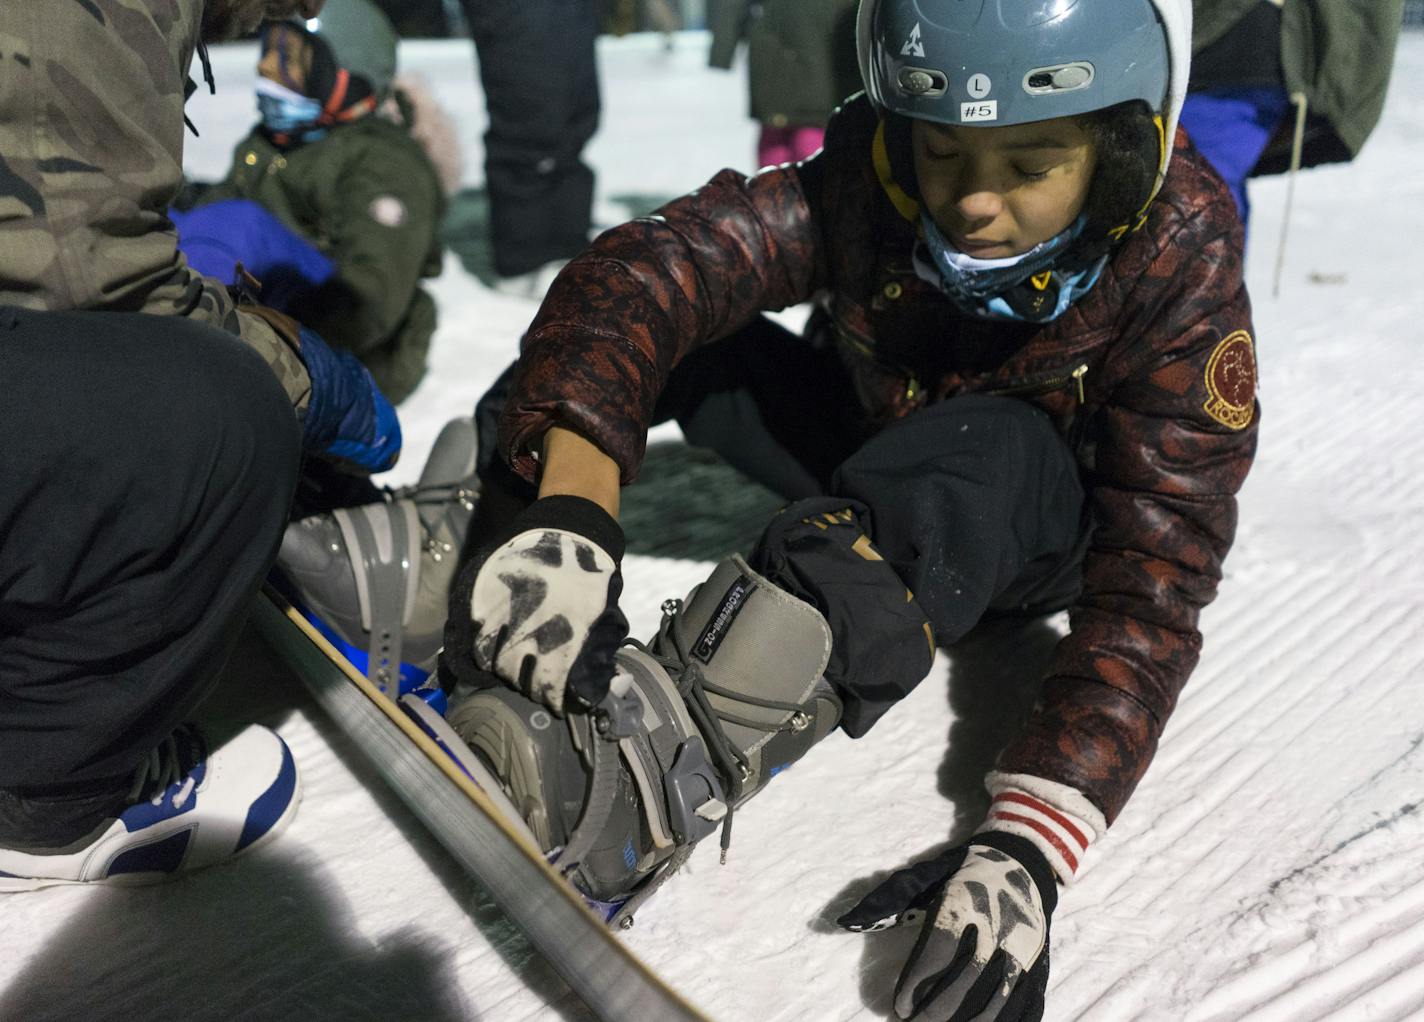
(1005, 291)
(286, 112)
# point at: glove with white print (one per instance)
(982, 953)
(540, 612)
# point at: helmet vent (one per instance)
(1057, 78)
(920, 81)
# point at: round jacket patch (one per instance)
(388, 211)
(1231, 381)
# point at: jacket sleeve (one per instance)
(280, 349)
(1173, 443)
(381, 223)
(622, 314)
(205, 300)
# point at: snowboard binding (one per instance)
(728, 693)
(375, 578)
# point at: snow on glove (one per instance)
(541, 611)
(982, 953)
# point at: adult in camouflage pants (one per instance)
(151, 433)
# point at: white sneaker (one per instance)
(189, 808)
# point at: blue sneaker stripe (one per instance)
(145, 814)
(271, 804)
(159, 857)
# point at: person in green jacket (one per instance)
(802, 64)
(330, 205)
(1253, 59)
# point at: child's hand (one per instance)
(983, 946)
(541, 611)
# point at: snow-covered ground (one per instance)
(1270, 867)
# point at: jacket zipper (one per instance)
(863, 345)
(1048, 384)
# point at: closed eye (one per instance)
(933, 155)
(1031, 175)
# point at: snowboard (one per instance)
(465, 810)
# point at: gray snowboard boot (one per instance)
(728, 693)
(375, 579)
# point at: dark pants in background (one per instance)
(974, 505)
(148, 465)
(540, 79)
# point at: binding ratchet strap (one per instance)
(431, 501)
(603, 788)
(386, 539)
(1297, 143)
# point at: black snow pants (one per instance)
(148, 464)
(540, 78)
(903, 538)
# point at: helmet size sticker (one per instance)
(982, 110)
(979, 86)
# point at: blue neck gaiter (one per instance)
(287, 113)
(1027, 288)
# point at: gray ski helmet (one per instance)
(1000, 62)
(362, 40)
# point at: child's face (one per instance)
(286, 59)
(998, 192)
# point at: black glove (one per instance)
(982, 953)
(540, 611)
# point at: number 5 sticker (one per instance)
(984, 110)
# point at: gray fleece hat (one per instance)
(362, 40)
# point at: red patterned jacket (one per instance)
(1150, 376)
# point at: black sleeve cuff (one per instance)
(1030, 858)
(573, 514)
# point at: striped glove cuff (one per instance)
(1059, 820)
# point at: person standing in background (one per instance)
(540, 78)
(417, 19)
(1251, 59)
(802, 64)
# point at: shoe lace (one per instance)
(162, 768)
(693, 686)
(436, 497)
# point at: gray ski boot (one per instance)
(375, 579)
(728, 693)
